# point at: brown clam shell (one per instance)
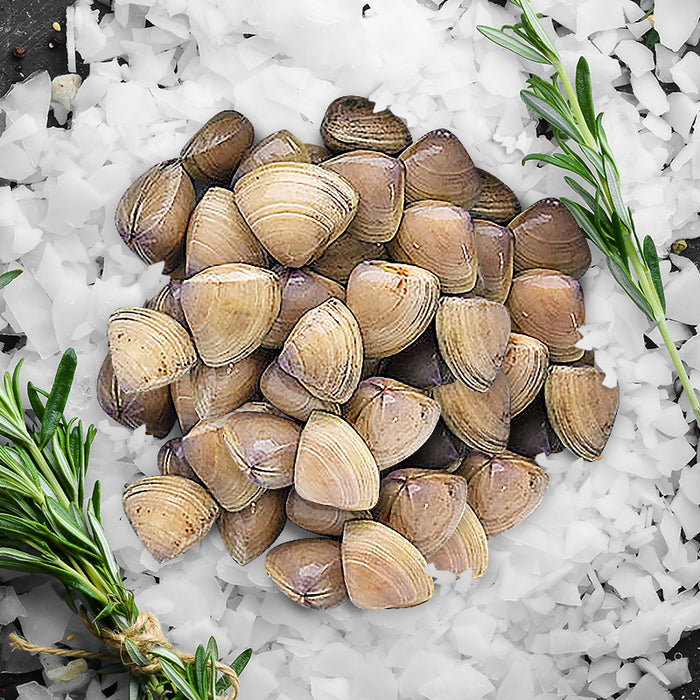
(497, 202)
(494, 251)
(167, 300)
(323, 520)
(317, 154)
(280, 147)
(472, 463)
(525, 366)
(344, 255)
(466, 549)
(181, 394)
(442, 450)
(172, 461)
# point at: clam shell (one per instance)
(531, 433)
(439, 237)
(472, 463)
(247, 533)
(152, 214)
(217, 234)
(323, 520)
(479, 418)
(280, 147)
(439, 167)
(181, 394)
(169, 514)
(167, 300)
(317, 154)
(379, 182)
(296, 210)
(260, 407)
(547, 236)
(334, 466)
(324, 352)
(343, 256)
(424, 506)
(393, 304)
(230, 308)
(172, 461)
(309, 572)
(497, 201)
(394, 419)
(442, 450)
(466, 549)
(525, 366)
(382, 568)
(351, 123)
(472, 335)
(214, 152)
(548, 306)
(494, 251)
(149, 349)
(581, 409)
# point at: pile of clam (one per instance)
(368, 338)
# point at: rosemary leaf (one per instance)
(7, 277)
(53, 411)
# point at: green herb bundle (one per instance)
(585, 152)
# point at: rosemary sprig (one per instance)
(586, 154)
(48, 525)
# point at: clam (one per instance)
(323, 520)
(152, 214)
(309, 572)
(393, 303)
(350, 123)
(505, 491)
(472, 463)
(439, 237)
(494, 251)
(334, 466)
(324, 352)
(167, 300)
(531, 433)
(311, 203)
(153, 408)
(230, 308)
(260, 407)
(181, 394)
(479, 418)
(263, 446)
(172, 461)
(472, 335)
(205, 450)
(442, 450)
(394, 419)
(379, 182)
(547, 236)
(219, 390)
(217, 234)
(247, 533)
(214, 152)
(289, 395)
(169, 514)
(149, 349)
(302, 290)
(548, 306)
(497, 201)
(317, 154)
(439, 167)
(525, 366)
(344, 255)
(581, 409)
(424, 506)
(466, 549)
(280, 147)
(382, 568)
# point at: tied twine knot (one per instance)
(146, 634)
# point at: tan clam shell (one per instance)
(315, 205)
(282, 146)
(260, 407)
(247, 533)
(206, 452)
(167, 300)
(230, 308)
(547, 236)
(350, 123)
(393, 304)
(466, 549)
(334, 466)
(323, 520)
(394, 419)
(525, 366)
(217, 234)
(151, 217)
(379, 181)
(309, 572)
(153, 408)
(472, 463)
(214, 152)
(344, 255)
(149, 349)
(172, 461)
(548, 306)
(439, 237)
(581, 410)
(324, 352)
(423, 505)
(505, 491)
(169, 514)
(479, 418)
(181, 394)
(494, 251)
(497, 202)
(263, 446)
(439, 167)
(302, 290)
(382, 568)
(289, 395)
(472, 336)
(317, 154)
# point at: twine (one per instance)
(146, 633)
